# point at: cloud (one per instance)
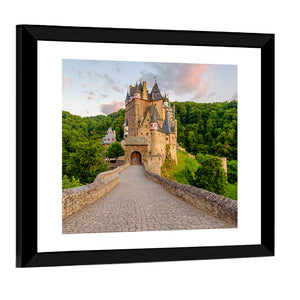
(79, 73)
(108, 79)
(117, 88)
(210, 95)
(88, 92)
(203, 88)
(180, 78)
(96, 73)
(66, 82)
(86, 84)
(111, 107)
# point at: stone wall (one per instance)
(75, 199)
(219, 206)
(142, 149)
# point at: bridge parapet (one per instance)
(217, 205)
(75, 199)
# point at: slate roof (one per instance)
(155, 93)
(167, 126)
(154, 114)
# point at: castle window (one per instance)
(147, 133)
(141, 133)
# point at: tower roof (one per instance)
(167, 126)
(155, 93)
(154, 114)
(135, 89)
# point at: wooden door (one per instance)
(135, 158)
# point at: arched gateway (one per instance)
(135, 158)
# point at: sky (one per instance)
(94, 87)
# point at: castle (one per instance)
(150, 128)
(109, 138)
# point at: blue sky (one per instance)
(91, 87)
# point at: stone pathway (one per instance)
(139, 204)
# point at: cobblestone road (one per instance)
(139, 204)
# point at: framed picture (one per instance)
(164, 97)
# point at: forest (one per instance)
(82, 152)
(206, 130)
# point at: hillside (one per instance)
(208, 128)
(202, 128)
(186, 172)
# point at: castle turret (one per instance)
(137, 95)
(155, 94)
(144, 92)
(153, 124)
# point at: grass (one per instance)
(184, 172)
(231, 191)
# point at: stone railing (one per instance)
(75, 199)
(219, 206)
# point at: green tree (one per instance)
(68, 183)
(214, 126)
(232, 171)
(86, 162)
(210, 174)
(114, 150)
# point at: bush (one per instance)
(210, 174)
(114, 150)
(232, 171)
(86, 163)
(68, 183)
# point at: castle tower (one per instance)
(154, 134)
(149, 126)
(144, 92)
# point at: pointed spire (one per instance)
(153, 117)
(167, 126)
(155, 94)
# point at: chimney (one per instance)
(114, 134)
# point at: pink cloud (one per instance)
(66, 82)
(203, 88)
(112, 106)
(191, 76)
(179, 78)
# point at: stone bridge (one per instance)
(137, 203)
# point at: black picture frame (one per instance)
(27, 153)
